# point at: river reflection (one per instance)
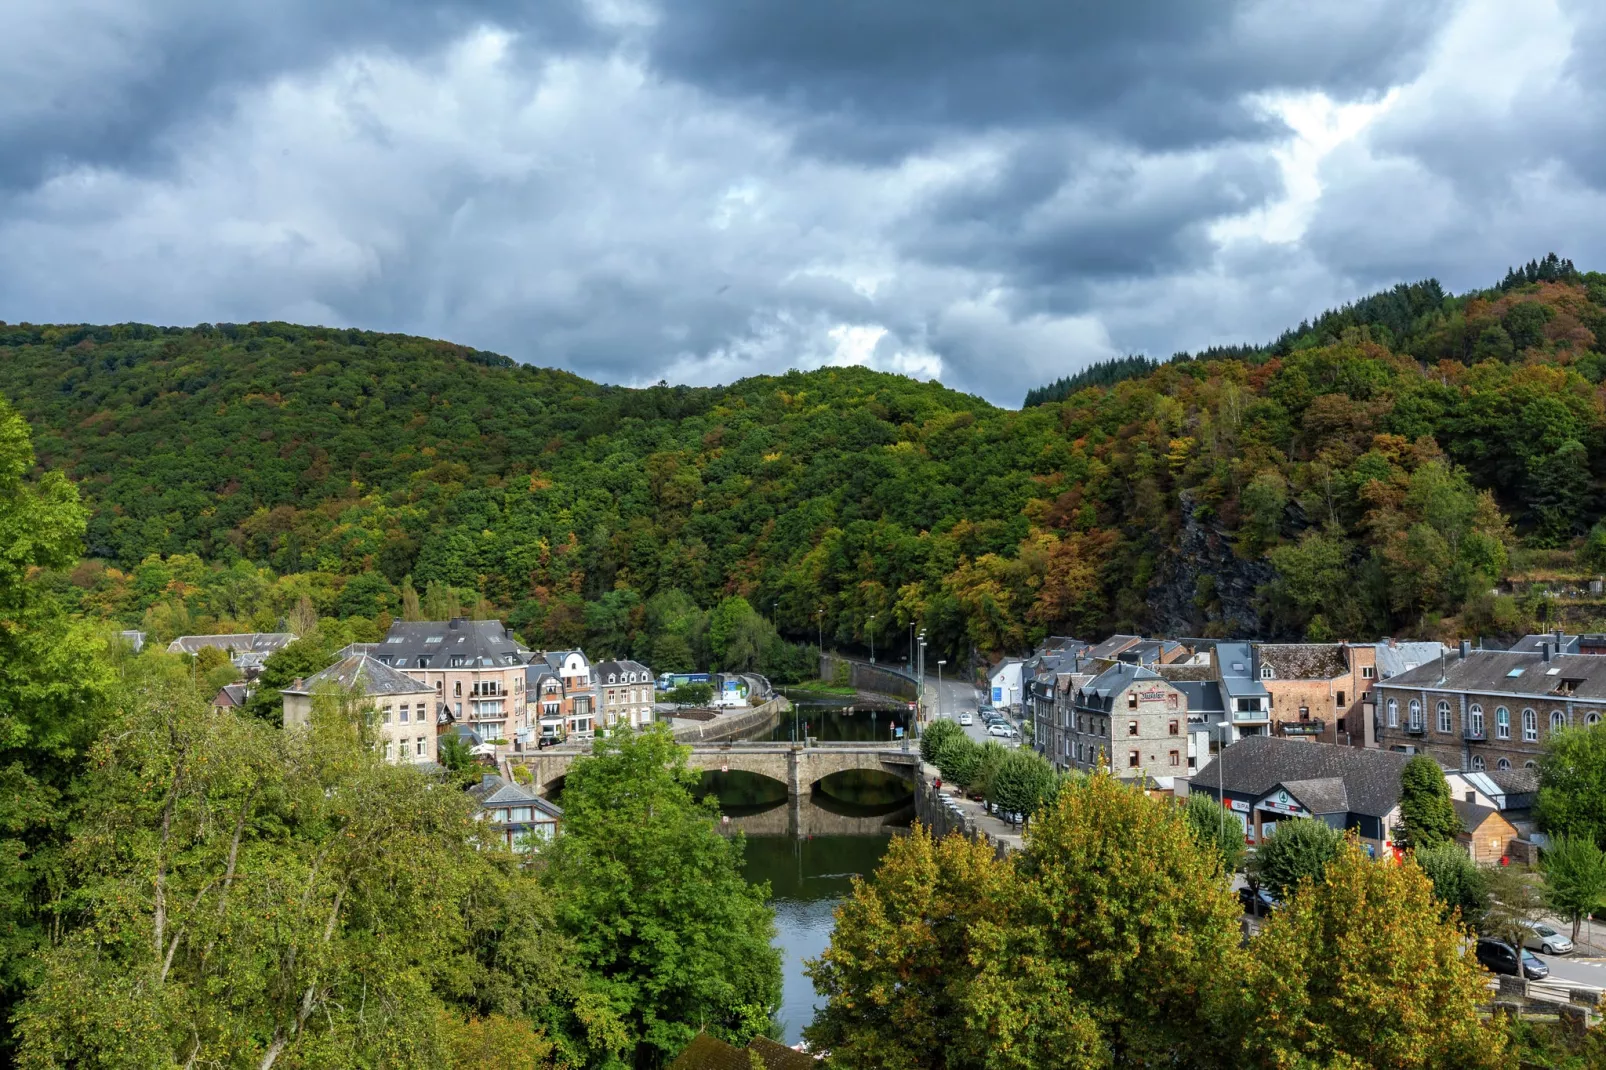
(810, 849)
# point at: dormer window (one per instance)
(1266, 673)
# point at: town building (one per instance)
(247, 650)
(625, 693)
(1006, 684)
(1488, 710)
(1132, 722)
(475, 668)
(1316, 689)
(231, 697)
(576, 696)
(514, 816)
(403, 708)
(1267, 779)
(1485, 833)
(1247, 701)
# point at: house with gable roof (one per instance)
(404, 709)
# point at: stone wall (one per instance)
(880, 679)
(939, 811)
(735, 725)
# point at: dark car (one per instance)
(1257, 901)
(1498, 956)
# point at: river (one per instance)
(810, 853)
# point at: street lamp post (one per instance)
(920, 700)
(870, 627)
(940, 663)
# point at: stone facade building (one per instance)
(1132, 722)
(474, 667)
(625, 691)
(1489, 710)
(1316, 689)
(403, 708)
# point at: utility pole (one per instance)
(870, 627)
(819, 616)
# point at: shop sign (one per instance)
(1281, 803)
(1239, 805)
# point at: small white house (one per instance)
(1006, 683)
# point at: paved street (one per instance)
(959, 697)
(1571, 969)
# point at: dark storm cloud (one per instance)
(1160, 74)
(101, 81)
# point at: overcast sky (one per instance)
(994, 194)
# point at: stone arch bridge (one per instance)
(795, 765)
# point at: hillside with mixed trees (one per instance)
(1381, 469)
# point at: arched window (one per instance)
(1592, 718)
(1475, 721)
(1502, 723)
(1416, 714)
(1530, 726)
(1503, 764)
(1477, 763)
(1394, 714)
(1530, 764)
(1558, 720)
(1444, 716)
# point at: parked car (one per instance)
(989, 717)
(1257, 901)
(1003, 730)
(1544, 938)
(966, 719)
(1498, 956)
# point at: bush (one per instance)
(958, 758)
(692, 694)
(1298, 850)
(1214, 826)
(1458, 883)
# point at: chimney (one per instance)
(1466, 648)
(1558, 641)
(1544, 651)
(455, 622)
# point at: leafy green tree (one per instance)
(1298, 851)
(455, 754)
(1575, 878)
(935, 736)
(1425, 807)
(1023, 782)
(668, 934)
(1122, 889)
(1458, 882)
(294, 661)
(671, 653)
(692, 694)
(1572, 784)
(958, 757)
(1513, 904)
(1360, 970)
(1217, 828)
(935, 962)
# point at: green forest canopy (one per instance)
(1370, 472)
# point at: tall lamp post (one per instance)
(940, 663)
(869, 626)
(920, 701)
(819, 616)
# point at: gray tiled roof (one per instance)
(1204, 696)
(493, 790)
(1471, 814)
(1112, 646)
(242, 643)
(1236, 666)
(1321, 795)
(1304, 661)
(617, 669)
(481, 644)
(1581, 677)
(1394, 658)
(1099, 691)
(1564, 644)
(1255, 765)
(361, 673)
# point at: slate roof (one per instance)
(1176, 672)
(361, 673)
(1235, 666)
(1257, 764)
(618, 669)
(1322, 795)
(1304, 661)
(241, 643)
(1395, 658)
(232, 695)
(1112, 646)
(1204, 696)
(1490, 671)
(1565, 644)
(493, 790)
(710, 1053)
(1515, 781)
(1472, 815)
(481, 644)
(1100, 691)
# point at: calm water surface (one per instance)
(810, 853)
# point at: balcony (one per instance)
(1251, 716)
(1476, 735)
(1305, 727)
(1416, 729)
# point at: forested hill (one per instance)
(1342, 487)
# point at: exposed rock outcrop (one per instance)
(1204, 588)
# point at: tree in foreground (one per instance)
(935, 962)
(1575, 878)
(1358, 970)
(1217, 828)
(670, 936)
(1299, 850)
(1572, 784)
(1137, 921)
(1458, 882)
(1428, 815)
(254, 897)
(1513, 903)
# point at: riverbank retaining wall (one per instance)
(943, 812)
(733, 725)
(866, 677)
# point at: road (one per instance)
(1571, 969)
(958, 697)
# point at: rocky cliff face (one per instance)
(1204, 588)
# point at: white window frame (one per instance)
(1502, 723)
(1530, 725)
(1394, 713)
(1444, 716)
(1475, 719)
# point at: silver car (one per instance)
(1544, 938)
(1003, 730)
